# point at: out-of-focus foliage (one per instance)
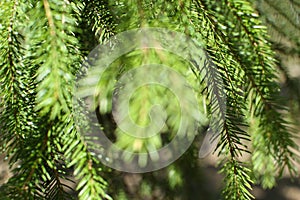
(283, 22)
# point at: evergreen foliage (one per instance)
(285, 38)
(43, 44)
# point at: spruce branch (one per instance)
(232, 135)
(42, 44)
(268, 114)
(86, 166)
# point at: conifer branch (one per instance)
(41, 49)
